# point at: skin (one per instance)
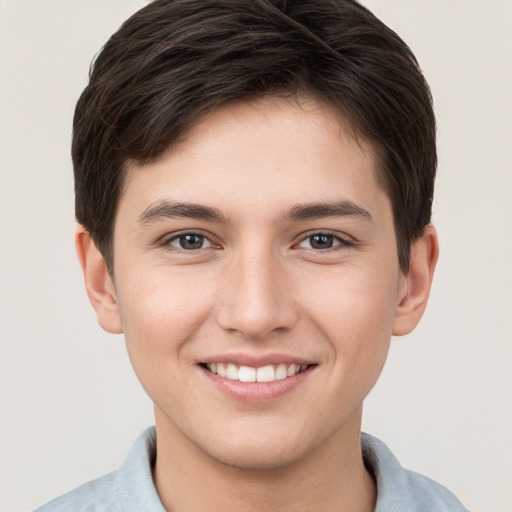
(259, 284)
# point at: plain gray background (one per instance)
(70, 405)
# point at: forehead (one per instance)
(267, 151)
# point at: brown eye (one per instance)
(321, 241)
(189, 242)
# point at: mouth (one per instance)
(257, 378)
(267, 373)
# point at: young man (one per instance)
(254, 182)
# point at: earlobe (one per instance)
(424, 254)
(98, 282)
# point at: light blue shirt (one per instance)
(131, 487)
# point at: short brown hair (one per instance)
(176, 60)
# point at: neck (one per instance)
(331, 478)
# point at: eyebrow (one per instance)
(168, 210)
(343, 208)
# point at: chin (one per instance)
(254, 451)
(257, 458)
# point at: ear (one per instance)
(424, 254)
(98, 282)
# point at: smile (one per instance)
(268, 373)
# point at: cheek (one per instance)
(355, 311)
(353, 300)
(160, 312)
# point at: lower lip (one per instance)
(257, 391)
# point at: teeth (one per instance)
(221, 369)
(292, 370)
(232, 372)
(247, 374)
(267, 373)
(281, 372)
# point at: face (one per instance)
(257, 281)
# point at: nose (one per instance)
(256, 299)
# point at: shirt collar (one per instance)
(135, 476)
(401, 490)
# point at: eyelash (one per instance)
(166, 242)
(339, 242)
(342, 242)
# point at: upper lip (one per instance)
(255, 361)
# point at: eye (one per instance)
(322, 241)
(189, 242)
